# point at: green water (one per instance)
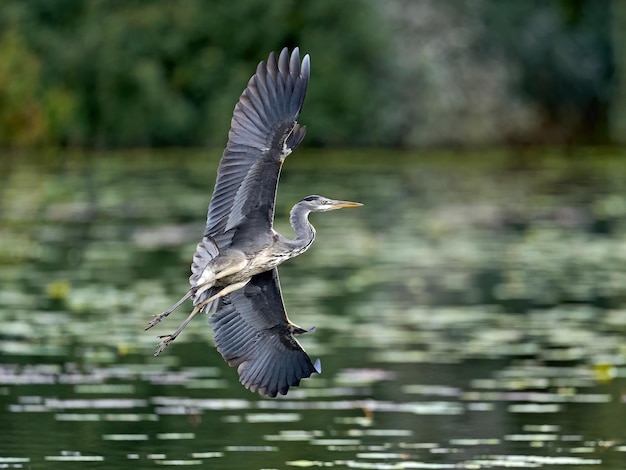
(469, 315)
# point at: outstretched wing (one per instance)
(252, 332)
(263, 132)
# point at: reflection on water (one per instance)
(469, 316)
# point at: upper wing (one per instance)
(263, 132)
(253, 333)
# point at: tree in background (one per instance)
(563, 52)
(22, 117)
(499, 71)
(618, 103)
(153, 73)
(120, 73)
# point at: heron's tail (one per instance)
(206, 251)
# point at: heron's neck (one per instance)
(305, 232)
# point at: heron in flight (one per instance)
(234, 275)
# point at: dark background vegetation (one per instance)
(139, 73)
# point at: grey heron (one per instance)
(234, 275)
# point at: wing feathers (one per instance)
(263, 119)
(251, 328)
(266, 94)
(252, 333)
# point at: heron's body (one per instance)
(246, 266)
(234, 275)
(249, 260)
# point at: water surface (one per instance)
(470, 315)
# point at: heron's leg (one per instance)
(158, 318)
(232, 268)
(224, 291)
(167, 339)
(208, 281)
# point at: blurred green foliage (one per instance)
(146, 73)
(153, 73)
(565, 55)
(22, 119)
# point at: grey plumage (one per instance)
(264, 121)
(251, 334)
(234, 275)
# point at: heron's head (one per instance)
(317, 203)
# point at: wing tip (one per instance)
(305, 68)
(287, 63)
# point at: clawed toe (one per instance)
(167, 339)
(155, 321)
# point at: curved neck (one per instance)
(305, 232)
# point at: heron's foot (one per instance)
(166, 340)
(159, 318)
(156, 320)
